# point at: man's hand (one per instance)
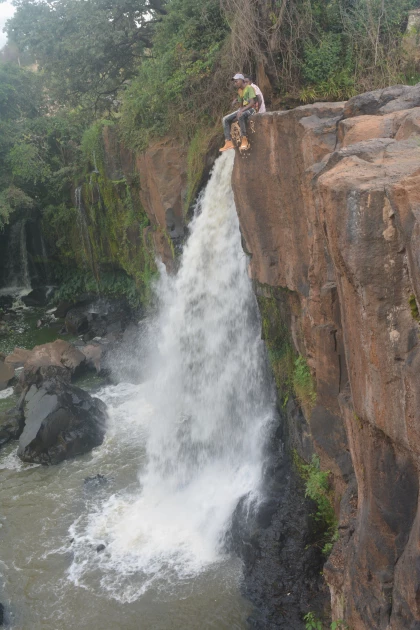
(239, 114)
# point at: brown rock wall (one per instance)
(329, 206)
(159, 176)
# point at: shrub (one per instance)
(303, 384)
(321, 59)
(179, 88)
(317, 488)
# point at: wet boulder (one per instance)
(94, 354)
(38, 297)
(11, 424)
(17, 358)
(7, 373)
(96, 480)
(57, 359)
(98, 318)
(62, 308)
(77, 320)
(61, 421)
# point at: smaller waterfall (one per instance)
(17, 276)
(45, 261)
(83, 228)
(95, 166)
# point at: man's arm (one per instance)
(259, 99)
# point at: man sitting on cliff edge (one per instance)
(246, 99)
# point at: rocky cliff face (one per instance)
(161, 171)
(329, 205)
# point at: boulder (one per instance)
(390, 99)
(63, 308)
(37, 297)
(99, 318)
(6, 374)
(61, 421)
(18, 358)
(77, 320)
(11, 424)
(6, 302)
(94, 355)
(56, 359)
(96, 480)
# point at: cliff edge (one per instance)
(329, 206)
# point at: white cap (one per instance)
(239, 76)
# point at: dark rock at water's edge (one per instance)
(98, 318)
(95, 354)
(17, 358)
(1, 614)
(12, 422)
(62, 308)
(6, 302)
(38, 297)
(7, 373)
(96, 480)
(277, 542)
(100, 548)
(58, 359)
(61, 421)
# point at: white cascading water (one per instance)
(17, 266)
(202, 417)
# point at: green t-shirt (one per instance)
(246, 94)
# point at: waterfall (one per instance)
(202, 417)
(17, 267)
(83, 229)
(46, 266)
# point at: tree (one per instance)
(88, 49)
(38, 152)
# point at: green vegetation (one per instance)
(169, 61)
(37, 152)
(292, 374)
(74, 282)
(181, 89)
(414, 308)
(157, 67)
(87, 50)
(317, 488)
(276, 335)
(303, 384)
(107, 231)
(312, 622)
(322, 48)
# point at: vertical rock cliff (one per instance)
(329, 206)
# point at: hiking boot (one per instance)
(228, 145)
(244, 144)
